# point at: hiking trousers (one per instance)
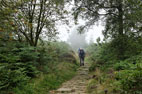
(81, 61)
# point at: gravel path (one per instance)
(78, 84)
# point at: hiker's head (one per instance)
(80, 48)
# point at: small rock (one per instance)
(64, 90)
(94, 76)
(106, 91)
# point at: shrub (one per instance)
(17, 65)
(93, 66)
(122, 65)
(130, 80)
(20, 63)
(10, 78)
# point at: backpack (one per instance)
(81, 52)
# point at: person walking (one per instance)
(81, 53)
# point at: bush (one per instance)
(10, 78)
(17, 65)
(24, 89)
(130, 80)
(20, 63)
(95, 65)
(121, 66)
(46, 82)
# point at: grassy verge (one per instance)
(103, 78)
(102, 82)
(46, 82)
(121, 77)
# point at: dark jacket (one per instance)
(81, 53)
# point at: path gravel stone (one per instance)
(78, 84)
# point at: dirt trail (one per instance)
(78, 84)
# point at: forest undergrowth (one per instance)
(112, 74)
(29, 70)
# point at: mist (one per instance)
(77, 40)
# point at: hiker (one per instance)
(81, 54)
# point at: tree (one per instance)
(118, 16)
(37, 17)
(116, 13)
(7, 8)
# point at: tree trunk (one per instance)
(120, 18)
(121, 43)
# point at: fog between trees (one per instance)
(77, 40)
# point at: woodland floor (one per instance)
(77, 85)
